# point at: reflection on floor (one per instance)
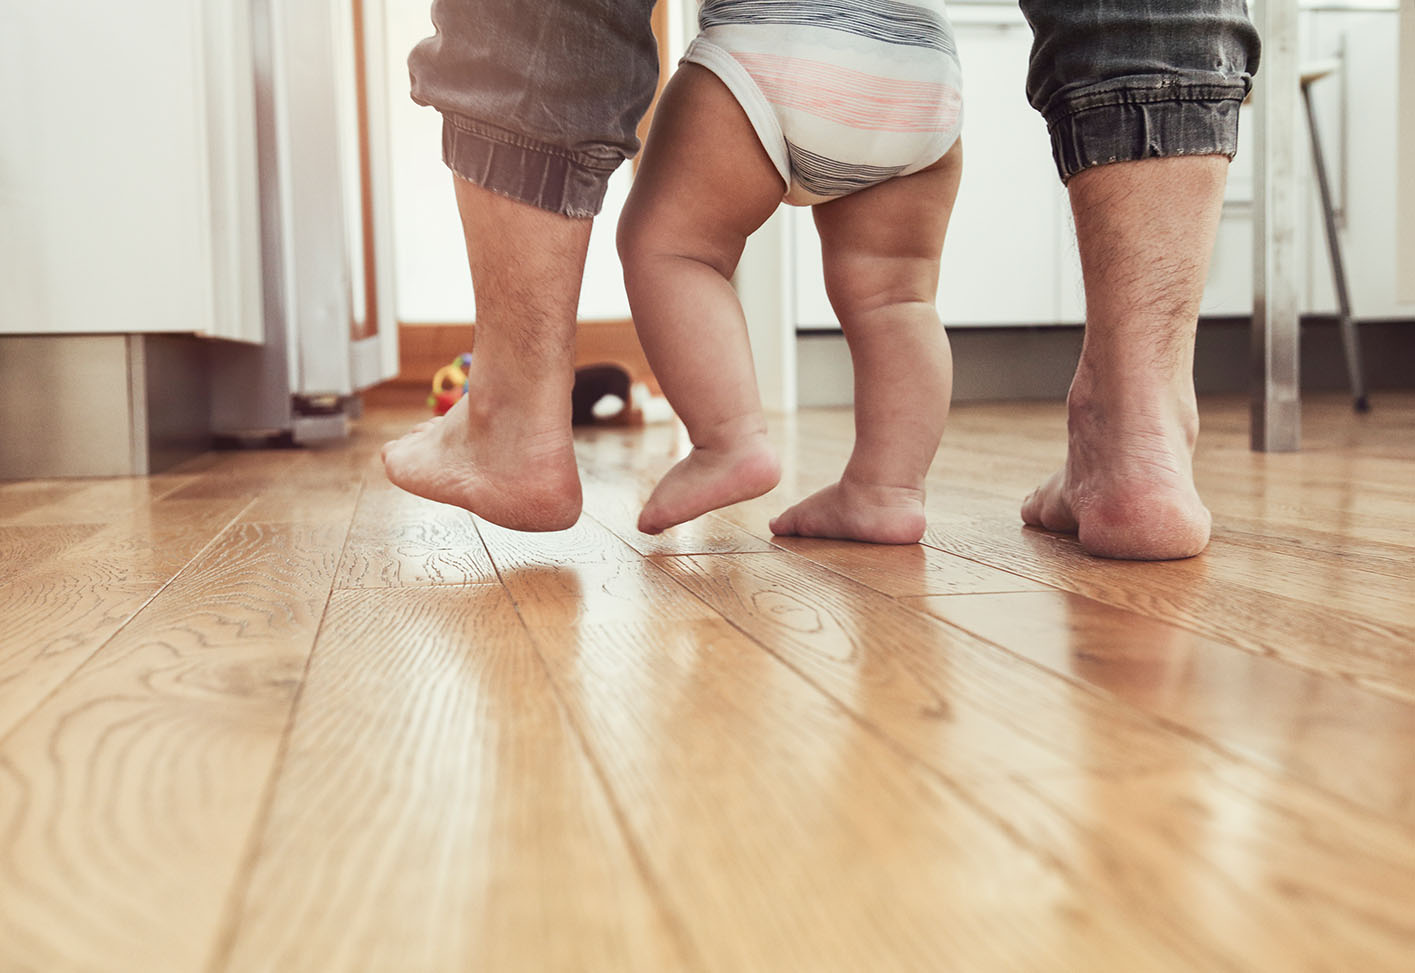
(266, 712)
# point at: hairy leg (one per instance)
(1146, 232)
(881, 249)
(704, 185)
(504, 451)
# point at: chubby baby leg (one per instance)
(703, 186)
(881, 248)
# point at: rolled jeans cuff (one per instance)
(569, 183)
(1127, 119)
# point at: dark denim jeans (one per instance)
(540, 98)
(1119, 81)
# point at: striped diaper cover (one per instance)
(843, 94)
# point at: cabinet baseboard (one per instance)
(1021, 363)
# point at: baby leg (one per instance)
(881, 248)
(704, 185)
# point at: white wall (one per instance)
(432, 283)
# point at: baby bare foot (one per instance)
(709, 478)
(1127, 489)
(486, 462)
(857, 512)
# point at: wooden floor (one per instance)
(266, 712)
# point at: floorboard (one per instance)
(1349, 742)
(932, 691)
(782, 836)
(1222, 866)
(129, 795)
(398, 540)
(434, 785)
(265, 711)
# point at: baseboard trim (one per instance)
(1036, 363)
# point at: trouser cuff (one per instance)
(1125, 120)
(512, 165)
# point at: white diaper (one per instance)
(843, 94)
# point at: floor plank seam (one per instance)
(678, 929)
(425, 584)
(500, 579)
(782, 769)
(1205, 741)
(98, 649)
(959, 789)
(1258, 651)
(995, 567)
(481, 539)
(228, 928)
(186, 482)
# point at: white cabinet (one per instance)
(129, 199)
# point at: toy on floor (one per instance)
(601, 394)
(449, 384)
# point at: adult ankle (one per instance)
(499, 387)
(1108, 404)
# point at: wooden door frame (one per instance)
(368, 327)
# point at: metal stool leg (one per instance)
(1350, 343)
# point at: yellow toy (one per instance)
(449, 384)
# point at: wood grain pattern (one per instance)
(399, 539)
(1344, 740)
(129, 795)
(54, 621)
(1223, 869)
(266, 473)
(588, 542)
(729, 767)
(18, 497)
(1260, 619)
(939, 694)
(435, 785)
(333, 503)
(907, 570)
(60, 610)
(22, 549)
(599, 593)
(617, 507)
(152, 542)
(98, 501)
(715, 749)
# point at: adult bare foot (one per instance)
(500, 464)
(1146, 232)
(857, 512)
(1127, 489)
(709, 478)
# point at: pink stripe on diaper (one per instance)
(853, 98)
